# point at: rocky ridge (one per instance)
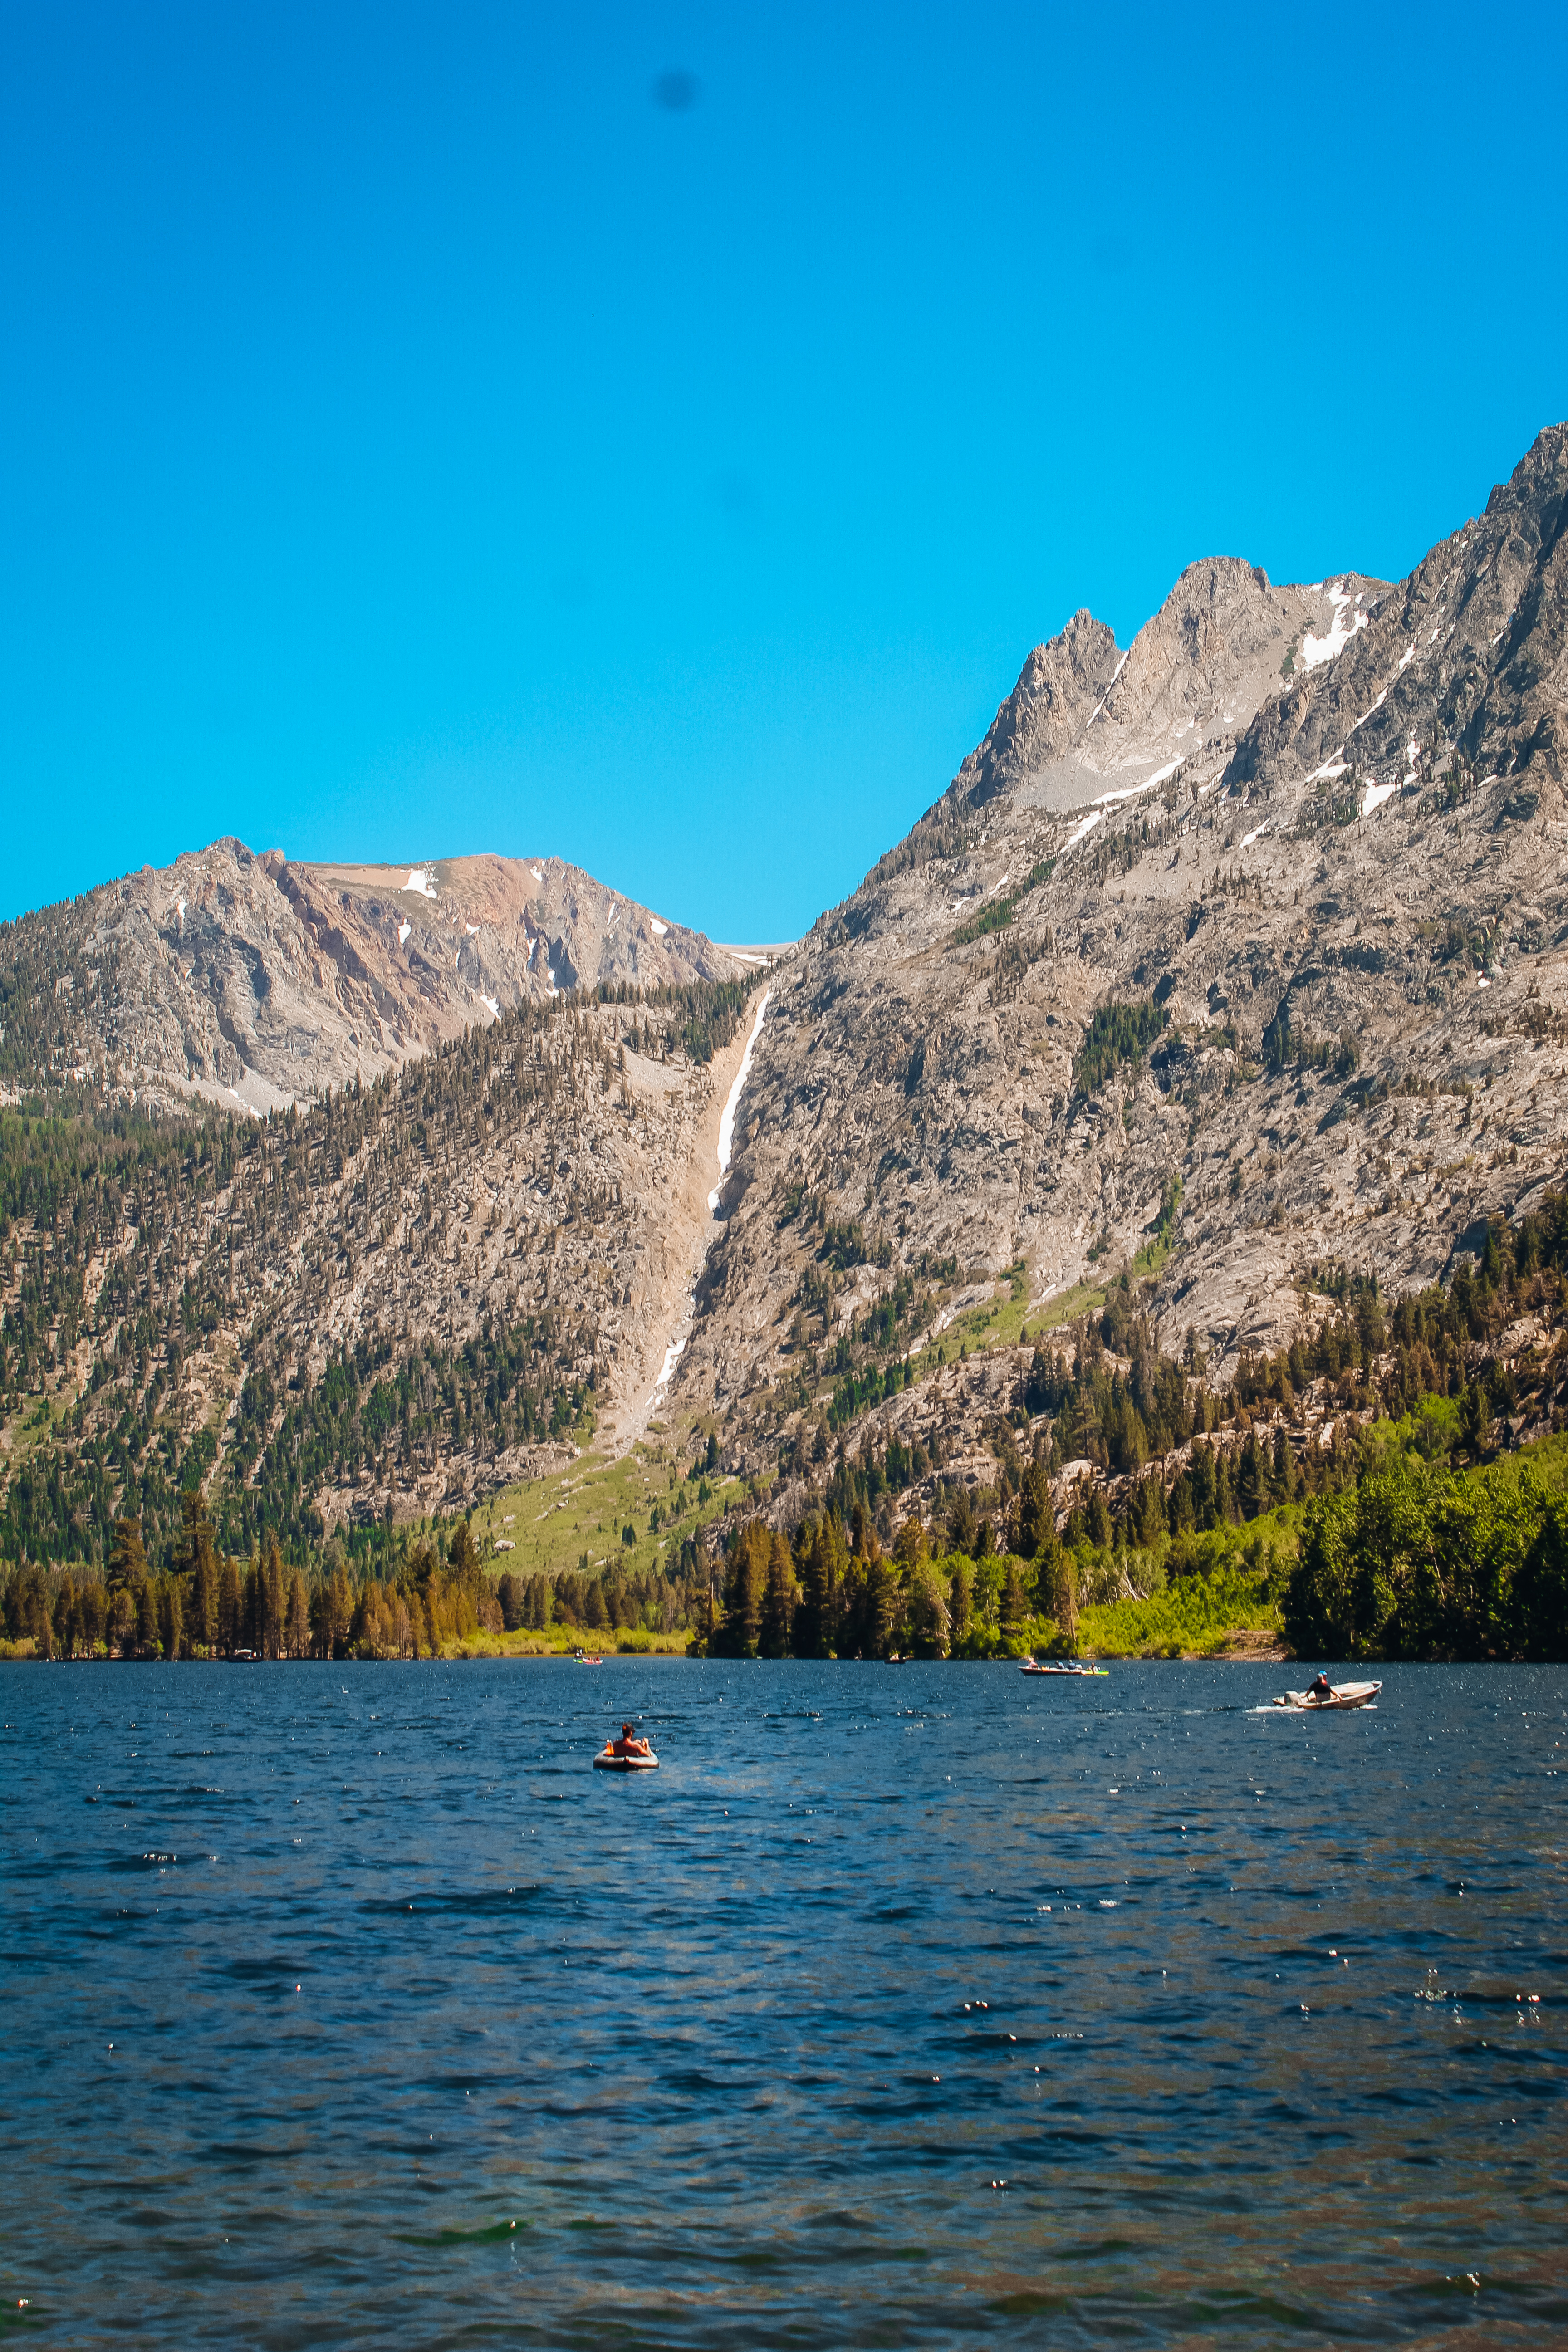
(258, 981)
(1320, 833)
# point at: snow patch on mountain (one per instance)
(1348, 618)
(727, 1122)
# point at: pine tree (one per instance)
(128, 1556)
(777, 1622)
(228, 1606)
(171, 1617)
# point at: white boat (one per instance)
(606, 1760)
(1341, 1694)
(1060, 1666)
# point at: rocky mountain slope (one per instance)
(1236, 963)
(258, 981)
(371, 1308)
(1262, 924)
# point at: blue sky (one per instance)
(419, 435)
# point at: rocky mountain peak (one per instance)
(1057, 690)
(1311, 839)
(258, 980)
(1538, 485)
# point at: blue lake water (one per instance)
(930, 2006)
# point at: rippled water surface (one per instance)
(348, 2005)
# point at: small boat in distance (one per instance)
(586, 1658)
(1342, 1694)
(1033, 1666)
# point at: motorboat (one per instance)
(1341, 1694)
(1061, 1666)
(582, 1658)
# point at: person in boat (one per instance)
(629, 1744)
(1319, 1687)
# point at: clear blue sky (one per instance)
(418, 436)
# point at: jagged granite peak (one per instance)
(1056, 692)
(1467, 652)
(1203, 667)
(258, 980)
(1085, 716)
(1330, 816)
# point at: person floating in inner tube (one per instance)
(629, 1744)
(1321, 1687)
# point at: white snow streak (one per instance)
(1323, 649)
(727, 1123)
(672, 1353)
(659, 929)
(1105, 697)
(420, 879)
(1111, 799)
(403, 932)
(495, 1008)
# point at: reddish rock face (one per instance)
(258, 979)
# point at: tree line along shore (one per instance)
(1390, 1485)
(1414, 1559)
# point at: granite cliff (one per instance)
(1246, 948)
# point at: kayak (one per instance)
(1061, 1666)
(606, 1761)
(1341, 1694)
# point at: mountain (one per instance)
(260, 982)
(1266, 915)
(1223, 985)
(324, 1135)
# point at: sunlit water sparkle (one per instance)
(929, 2006)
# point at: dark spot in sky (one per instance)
(676, 91)
(1112, 254)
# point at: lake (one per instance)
(346, 2005)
